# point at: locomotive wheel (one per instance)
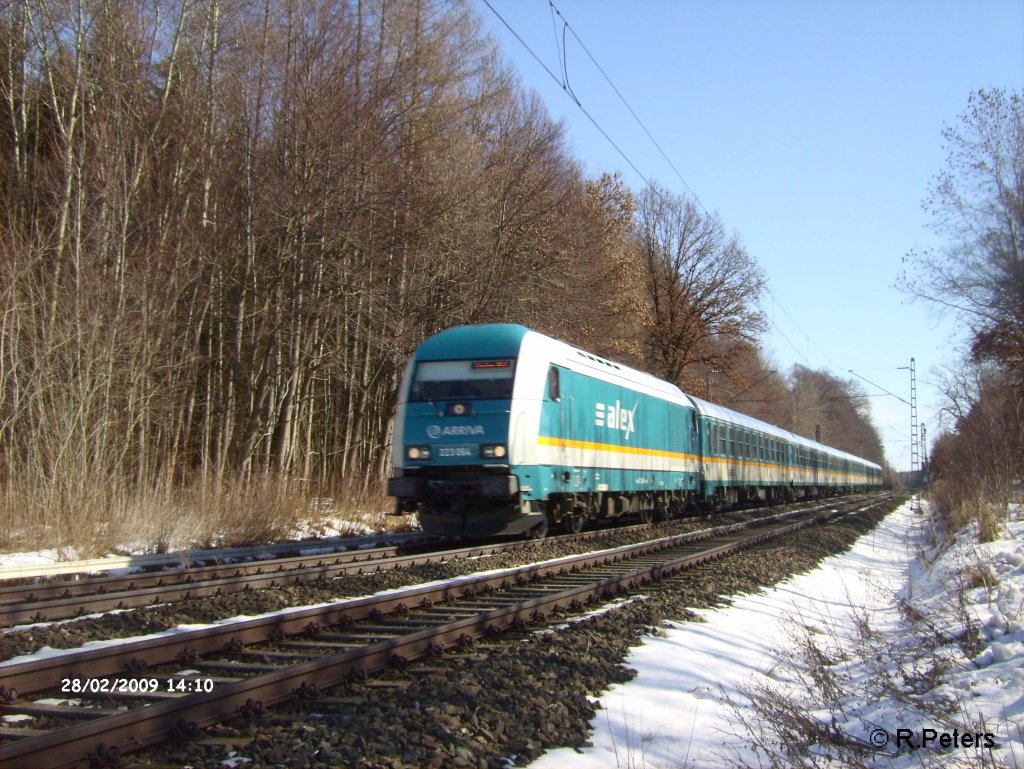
(574, 523)
(539, 531)
(646, 515)
(661, 511)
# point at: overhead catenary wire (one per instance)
(807, 336)
(563, 84)
(625, 102)
(566, 86)
(563, 57)
(873, 384)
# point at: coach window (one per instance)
(721, 439)
(554, 384)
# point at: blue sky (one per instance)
(812, 128)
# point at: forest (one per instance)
(226, 224)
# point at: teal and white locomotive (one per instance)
(501, 430)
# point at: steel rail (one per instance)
(19, 604)
(214, 555)
(153, 723)
(39, 674)
(67, 599)
(109, 584)
(148, 725)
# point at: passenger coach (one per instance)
(500, 430)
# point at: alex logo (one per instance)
(616, 417)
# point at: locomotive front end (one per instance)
(452, 454)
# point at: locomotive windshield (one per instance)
(463, 380)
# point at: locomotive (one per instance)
(503, 431)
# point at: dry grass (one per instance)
(804, 723)
(957, 503)
(93, 519)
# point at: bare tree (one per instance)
(753, 385)
(977, 466)
(702, 287)
(833, 410)
(977, 203)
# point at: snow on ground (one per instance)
(880, 665)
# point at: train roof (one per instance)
(487, 340)
(574, 357)
(714, 411)
(506, 340)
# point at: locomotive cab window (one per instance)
(463, 380)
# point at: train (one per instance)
(500, 430)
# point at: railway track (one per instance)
(62, 599)
(49, 601)
(195, 679)
(221, 555)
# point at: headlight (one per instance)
(493, 451)
(417, 452)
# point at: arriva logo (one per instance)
(615, 417)
(436, 431)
